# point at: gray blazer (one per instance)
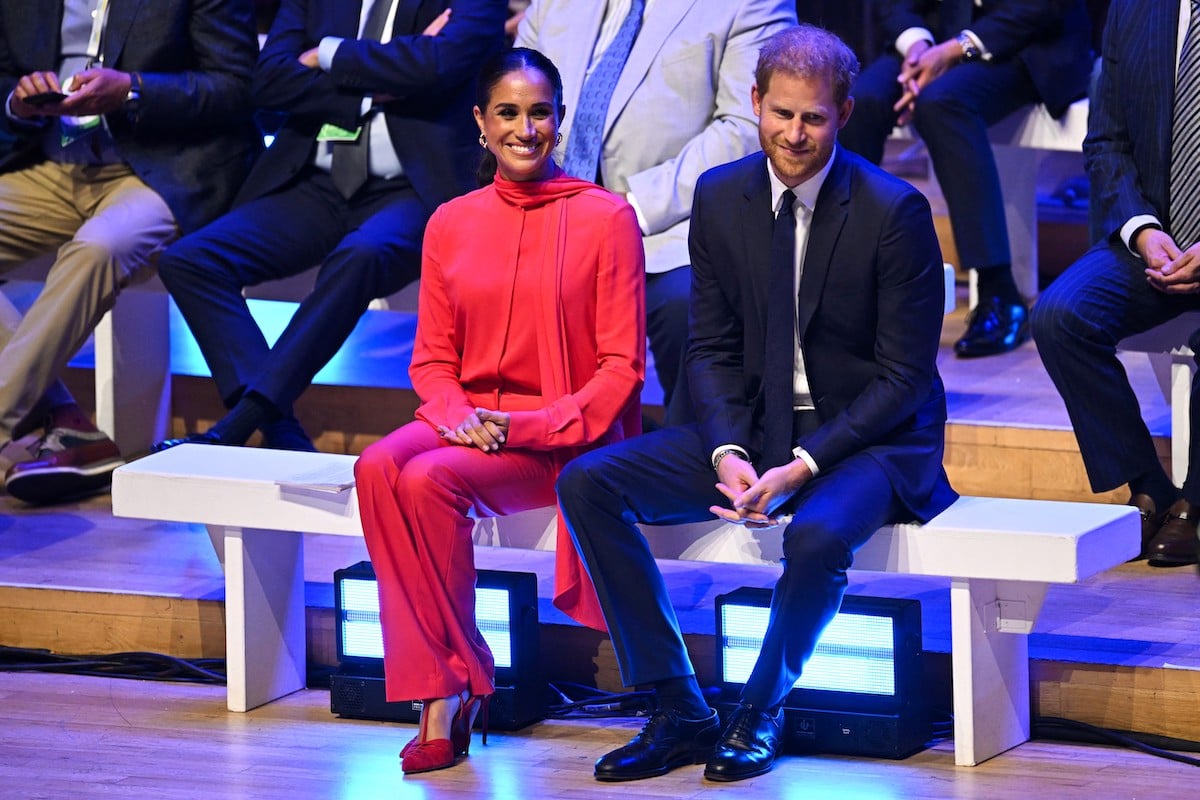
(682, 103)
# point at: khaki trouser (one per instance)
(108, 228)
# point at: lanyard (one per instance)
(99, 23)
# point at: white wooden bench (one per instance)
(1000, 554)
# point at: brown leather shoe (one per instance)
(1151, 521)
(1175, 543)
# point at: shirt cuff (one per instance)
(802, 454)
(326, 51)
(641, 219)
(1134, 225)
(724, 449)
(36, 122)
(911, 36)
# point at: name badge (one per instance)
(332, 133)
(75, 128)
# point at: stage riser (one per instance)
(1159, 701)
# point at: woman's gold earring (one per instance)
(483, 141)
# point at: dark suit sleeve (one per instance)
(1005, 26)
(715, 335)
(908, 324)
(414, 63)
(408, 63)
(214, 88)
(1008, 26)
(1117, 192)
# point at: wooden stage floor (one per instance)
(71, 737)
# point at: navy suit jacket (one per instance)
(1128, 146)
(192, 139)
(432, 79)
(1051, 37)
(870, 311)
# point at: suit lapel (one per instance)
(116, 31)
(405, 21)
(757, 224)
(657, 28)
(829, 217)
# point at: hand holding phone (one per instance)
(44, 99)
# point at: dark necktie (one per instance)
(351, 166)
(1185, 140)
(780, 362)
(955, 16)
(582, 158)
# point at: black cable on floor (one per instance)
(1057, 728)
(597, 703)
(139, 665)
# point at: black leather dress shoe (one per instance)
(667, 741)
(993, 326)
(1175, 543)
(748, 746)
(191, 438)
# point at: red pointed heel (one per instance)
(460, 730)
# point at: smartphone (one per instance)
(44, 98)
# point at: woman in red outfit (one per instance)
(530, 349)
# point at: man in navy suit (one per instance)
(953, 68)
(153, 139)
(845, 436)
(399, 97)
(1144, 270)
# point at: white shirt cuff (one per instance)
(1140, 221)
(911, 36)
(802, 454)
(645, 226)
(326, 51)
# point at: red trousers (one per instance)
(414, 494)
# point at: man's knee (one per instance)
(817, 546)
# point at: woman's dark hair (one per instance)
(493, 72)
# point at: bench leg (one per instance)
(264, 614)
(1182, 367)
(133, 371)
(990, 622)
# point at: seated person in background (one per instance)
(953, 68)
(676, 102)
(1145, 193)
(377, 135)
(530, 349)
(812, 347)
(153, 138)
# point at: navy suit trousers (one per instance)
(367, 247)
(952, 116)
(665, 477)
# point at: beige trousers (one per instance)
(108, 228)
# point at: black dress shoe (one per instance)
(748, 746)
(191, 438)
(994, 326)
(667, 741)
(1175, 543)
